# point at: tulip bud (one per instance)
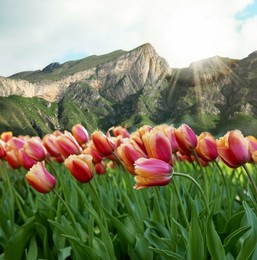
(80, 166)
(103, 144)
(35, 149)
(80, 133)
(152, 172)
(40, 179)
(233, 149)
(186, 139)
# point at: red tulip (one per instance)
(6, 136)
(35, 149)
(2, 149)
(152, 172)
(50, 143)
(233, 149)
(26, 161)
(103, 144)
(80, 133)
(80, 166)
(67, 144)
(40, 179)
(252, 141)
(186, 139)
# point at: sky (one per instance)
(35, 33)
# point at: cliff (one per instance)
(133, 87)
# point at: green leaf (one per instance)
(160, 242)
(19, 240)
(233, 238)
(32, 251)
(196, 242)
(64, 253)
(167, 254)
(161, 230)
(142, 248)
(249, 239)
(214, 244)
(123, 231)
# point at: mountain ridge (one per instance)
(136, 87)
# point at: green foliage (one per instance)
(108, 219)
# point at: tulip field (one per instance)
(155, 193)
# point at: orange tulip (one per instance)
(80, 133)
(206, 147)
(186, 139)
(233, 149)
(129, 153)
(35, 149)
(103, 144)
(67, 144)
(80, 166)
(40, 179)
(152, 172)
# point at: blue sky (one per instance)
(35, 33)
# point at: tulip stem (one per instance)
(180, 202)
(198, 187)
(70, 213)
(226, 187)
(254, 187)
(203, 173)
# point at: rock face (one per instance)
(137, 87)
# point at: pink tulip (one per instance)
(186, 139)
(152, 172)
(80, 133)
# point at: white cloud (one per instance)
(35, 33)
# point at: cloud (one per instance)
(36, 33)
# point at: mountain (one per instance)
(132, 88)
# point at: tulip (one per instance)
(100, 168)
(80, 133)
(103, 144)
(67, 144)
(186, 139)
(93, 152)
(119, 130)
(137, 135)
(129, 153)
(152, 172)
(233, 149)
(26, 161)
(6, 136)
(2, 149)
(35, 149)
(252, 141)
(169, 131)
(40, 179)
(206, 147)
(50, 143)
(80, 166)
(13, 145)
(157, 146)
